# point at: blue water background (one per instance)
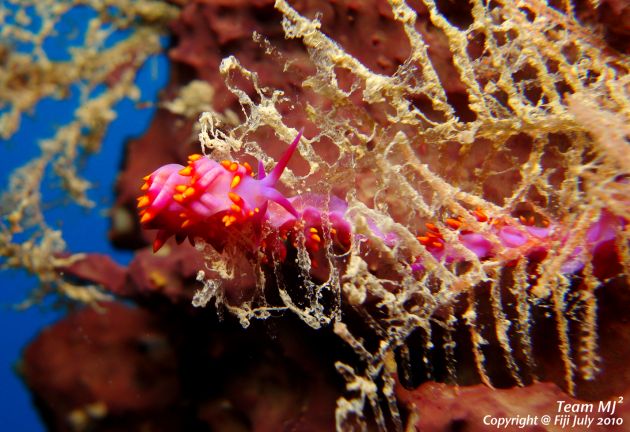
(84, 230)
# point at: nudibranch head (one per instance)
(206, 197)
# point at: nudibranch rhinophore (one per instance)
(225, 201)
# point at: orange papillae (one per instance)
(480, 215)
(235, 198)
(248, 168)
(434, 239)
(454, 223)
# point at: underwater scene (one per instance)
(302, 215)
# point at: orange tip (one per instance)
(143, 201)
(186, 171)
(194, 157)
(146, 217)
(229, 220)
(235, 181)
(236, 198)
(190, 191)
(424, 240)
(453, 223)
(481, 216)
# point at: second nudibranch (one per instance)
(206, 197)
